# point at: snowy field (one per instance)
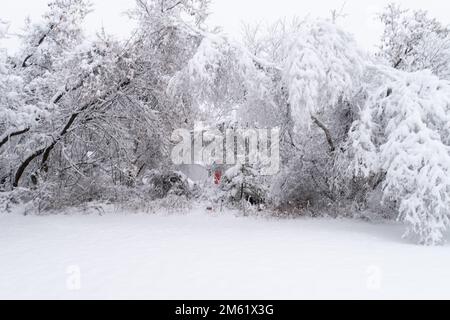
(209, 256)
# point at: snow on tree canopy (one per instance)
(323, 65)
(404, 132)
(222, 73)
(413, 41)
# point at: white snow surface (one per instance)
(203, 255)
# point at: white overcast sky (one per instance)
(230, 13)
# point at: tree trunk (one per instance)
(326, 131)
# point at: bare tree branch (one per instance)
(13, 134)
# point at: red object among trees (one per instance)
(217, 177)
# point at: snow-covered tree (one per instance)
(223, 77)
(413, 41)
(323, 67)
(316, 71)
(403, 138)
(14, 118)
(110, 114)
(41, 70)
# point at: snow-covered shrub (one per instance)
(168, 183)
(403, 136)
(243, 184)
(20, 201)
(303, 183)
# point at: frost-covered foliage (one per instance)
(404, 133)
(413, 41)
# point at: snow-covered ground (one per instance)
(209, 256)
